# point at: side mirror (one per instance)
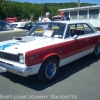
(75, 37)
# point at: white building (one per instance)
(87, 13)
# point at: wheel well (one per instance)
(53, 56)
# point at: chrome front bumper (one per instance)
(10, 68)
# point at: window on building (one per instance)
(73, 15)
(83, 14)
(94, 14)
(67, 14)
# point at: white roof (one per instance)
(80, 8)
(20, 24)
(72, 21)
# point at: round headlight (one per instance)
(21, 58)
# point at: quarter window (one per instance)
(87, 29)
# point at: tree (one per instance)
(9, 8)
(45, 8)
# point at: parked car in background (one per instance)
(56, 18)
(6, 28)
(22, 25)
(48, 46)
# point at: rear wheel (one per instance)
(96, 51)
(48, 70)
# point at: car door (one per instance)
(77, 44)
(91, 37)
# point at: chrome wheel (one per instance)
(50, 70)
(97, 50)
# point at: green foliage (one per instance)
(9, 8)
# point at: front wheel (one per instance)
(96, 51)
(48, 70)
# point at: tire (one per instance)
(49, 70)
(96, 51)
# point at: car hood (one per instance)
(24, 44)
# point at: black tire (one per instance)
(48, 70)
(96, 51)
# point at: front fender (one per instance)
(50, 55)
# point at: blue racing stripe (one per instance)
(3, 47)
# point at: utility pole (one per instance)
(78, 3)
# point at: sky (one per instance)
(60, 1)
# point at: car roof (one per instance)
(19, 22)
(72, 21)
(78, 22)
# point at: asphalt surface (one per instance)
(79, 80)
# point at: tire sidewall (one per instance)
(95, 51)
(42, 72)
(50, 79)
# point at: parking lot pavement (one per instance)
(76, 81)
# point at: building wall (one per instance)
(87, 13)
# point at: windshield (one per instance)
(49, 29)
(8, 27)
(5, 26)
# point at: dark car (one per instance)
(5, 26)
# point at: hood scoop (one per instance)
(18, 38)
(24, 39)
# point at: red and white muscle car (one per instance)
(47, 47)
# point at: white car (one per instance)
(48, 46)
(22, 25)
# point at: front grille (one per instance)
(8, 56)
